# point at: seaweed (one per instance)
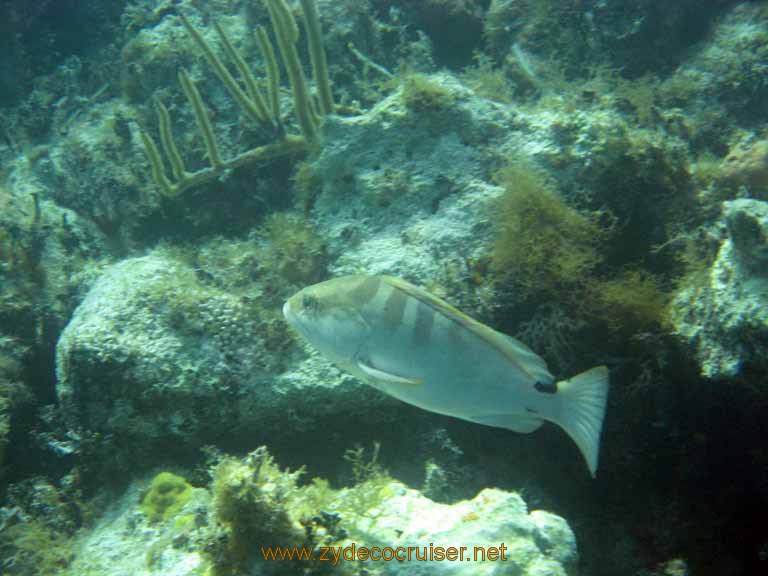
(38, 526)
(293, 253)
(420, 93)
(542, 245)
(256, 504)
(34, 549)
(488, 80)
(631, 302)
(252, 505)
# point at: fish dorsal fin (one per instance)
(433, 302)
(386, 377)
(514, 350)
(531, 362)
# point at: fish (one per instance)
(418, 348)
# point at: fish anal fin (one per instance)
(514, 422)
(386, 377)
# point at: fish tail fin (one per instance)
(582, 411)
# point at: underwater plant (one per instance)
(39, 522)
(630, 302)
(293, 254)
(307, 185)
(33, 549)
(488, 80)
(542, 245)
(252, 506)
(420, 93)
(264, 111)
(256, 504)
(362, 468)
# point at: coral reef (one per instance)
(424, 171)
(721, 314)
(720, 84)
(38, 525)
(158, 354)
(747, 165)
(13, 394)
(253, 504)
(641, 38)
(47, 255)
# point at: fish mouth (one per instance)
(292, 318)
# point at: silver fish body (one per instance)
(416, 347)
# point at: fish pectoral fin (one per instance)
(514, 422)
(386, 377)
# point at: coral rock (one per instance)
(724, 315)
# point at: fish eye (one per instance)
(310, 303)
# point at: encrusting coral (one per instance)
(167, 495)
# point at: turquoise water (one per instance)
(588, 178)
